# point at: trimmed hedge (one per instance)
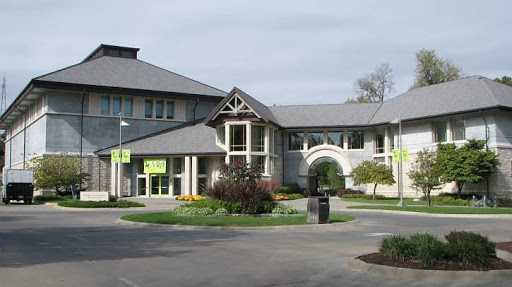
(290, 189)
(100, 204)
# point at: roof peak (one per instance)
(112, 51)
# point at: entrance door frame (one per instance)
(160, 177)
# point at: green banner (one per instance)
(396, 155)
(155, 165)
(125, 158)
(405, 155)
(114, 155)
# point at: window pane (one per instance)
(458, 130)
(177, 165)
(148, 108)
(105, 105)
(202, 163)
(260, 161)
(439, 131)
(221, 135)
(159, 109)
(295, 141)
(116, 106)
(391, 139)
(235, 158)
(201, 185)
(315, 138)
(170, 110)
(238, 138)
(335, 138)
(379, 141)
(258, 138)
(355, 140)
(128, 107)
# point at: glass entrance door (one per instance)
(141, 186)
(159, 185)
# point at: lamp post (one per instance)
(120, 163)
(400, 160)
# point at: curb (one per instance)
(307, 227)
(416, 274)
(506, 216)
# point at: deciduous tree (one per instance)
(425, 173)
(504, 80)
(371, 172)
(374, 87)
(431, 69)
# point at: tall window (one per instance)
(258, 138)
(315, 138)
(170, 110)
(379, 141)
(128, 107)
(221, 135)
(355, 140)
(105, 105)
(238, 138)
(159, 109)
(439, 131)
(295, 141)
(116, 105)
(458, 129)
(202, 165)
(391, 139)
(335, 138)
(259, 161)
(177, 165)
(148, 108)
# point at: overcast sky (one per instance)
(280, 52)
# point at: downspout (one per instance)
(282, 152)
(24, 134)
(487, 191)
(10, 150)
(82, 134)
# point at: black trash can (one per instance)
(318, 209)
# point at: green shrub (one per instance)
(266, 206)
(470, 248)
(365, 196)
(348, 191)
(46, 198)
(428, 249)
(284, 209)
(247, 195)
(290, 189)
(112, 198)
(449, 200)
(504, 202)
(186, 210)
(100, 204)
(398, 247)
(216, 204)
(221, 211)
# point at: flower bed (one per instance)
(189, 197)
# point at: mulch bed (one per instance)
(505, 246)
(377, 258)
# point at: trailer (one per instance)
(18, 184)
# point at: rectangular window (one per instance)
(176, 186)
(355, 140)
(335, 138)
(235, 158)
(116, 105)
(148, 108)
(202, 165)
(391, 139)
(238, 138)
(439, 131)
(379, 141)
(128, 107)
(170, 110)
(105, 105)
(295, 141)
(315, 138)
(458, 130)
(260, 161)
(159, 109)
(258, 138)
(221, 135)
(177, 165)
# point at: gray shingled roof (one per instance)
(130, 74)
(324, 115)
(187, 139)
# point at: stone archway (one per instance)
(323, 153)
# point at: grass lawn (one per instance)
(387, 200)
(437, 209)
(234, 221)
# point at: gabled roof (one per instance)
(193, 138)
(259, 109)
(126, 73)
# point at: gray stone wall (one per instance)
(99, 171)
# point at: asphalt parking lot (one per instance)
(43, 245)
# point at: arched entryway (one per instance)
(325, 153)
(326, 175)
